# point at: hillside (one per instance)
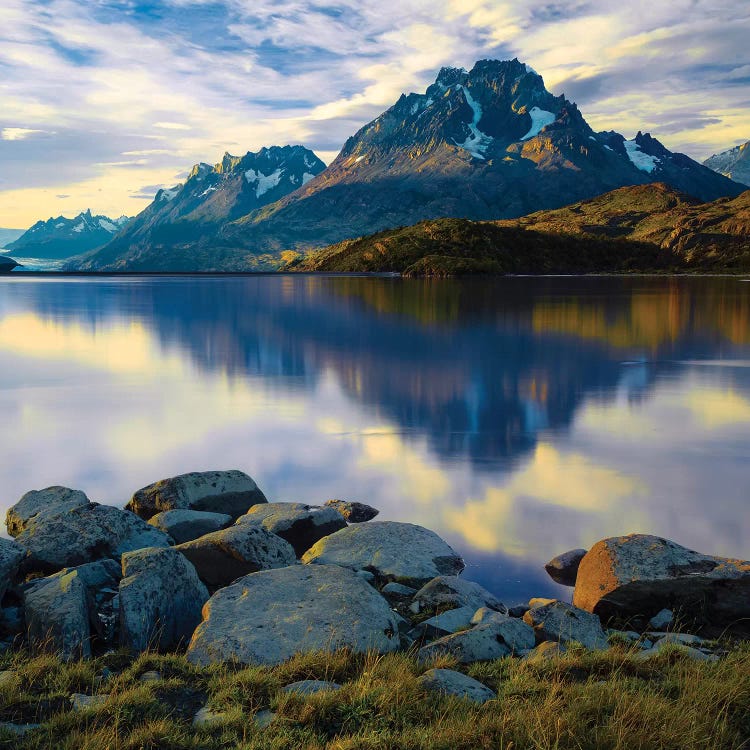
(733, 163)
(644, 228)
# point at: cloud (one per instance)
(172, 125)
(17, 134)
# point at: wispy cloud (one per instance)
(181, 81)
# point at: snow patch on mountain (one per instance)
(306, 177)
(167, 194)
(108, 226)
(264, 182)
(540, 118)
(476, 144)
(644, 162)
(79, 227)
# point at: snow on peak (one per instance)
(265, 182)
(540, 118)
(108, 226)
(79, 227)
(642, 161)
(306, 177)
(476, 144)
(168, 194)
(529, 69)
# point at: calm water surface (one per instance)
(517, 418)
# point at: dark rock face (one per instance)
(299, 524)
(11, 555)
(83, 534)
(39, 504)
(230, 492)
(7, 264)
(224, 556)
(401, 552)
(267, 617)
(353, 512)
(564, 568)
(161, 598)
(639, 574)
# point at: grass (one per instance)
(582, 701)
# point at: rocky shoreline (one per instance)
(203, 563)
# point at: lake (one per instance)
(516, 417)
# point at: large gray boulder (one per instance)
(231, 492)
(186, 525)
(11, 555)
(65, 610)
(497, 637)
(353, 511)
(451, 592)
(160, 599)
(299, 524)
(223, 556)
(393, 551)
(83, 534)
(564, 623)
(267, 617)
(38, 504)
(639, 575)
(450, 682)
(563, 569)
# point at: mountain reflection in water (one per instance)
(516, 417)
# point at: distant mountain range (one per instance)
(9, 235)
(734, 163)
(62, 238)
(490, 143)
(643, 228)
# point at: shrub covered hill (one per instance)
(645, 228)
(485, 144)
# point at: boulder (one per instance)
(662, 619)
(639, 575)
(502, 636)
(230, 492)
(160, 599)
(564, 623)
(224, 556)
(397, 590)
(83, 534)
(401, 552)
(450, 682)
(185, 525)
(353, 512)
(450, 592)
(36, 504)
(65, 610)
(564, 568)
(11, 556)
(310, 687)
(445, 623)
(267, 617)
(300, 525)
(545, 650)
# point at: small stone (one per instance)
(206, 716)
(563, 569)
(310, 687)
(450, 682)
(353, 512)
(398, 590)
(447, 622)
(263, 718)
(539, 601)
(545, 650)
(661, 620)
(684, 639)
(660, 646)
(82, 702)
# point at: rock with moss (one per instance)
(184, 525)
(268, 617)
(564, 623)
(639, 575)
(11, 556)
(161, 598)
(231, 492)
(451, 592)
(450, 682)
(229, 554)
(83, 534)
(393, 551)
(38, 504)
(299, 524)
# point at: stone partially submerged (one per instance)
(223, 556)
(299, 524)
(639, 575)
(38, 504)
(563, 569)
(231, 492)
(393, 551)
(83, 534)
(161, 598)
(267, 617)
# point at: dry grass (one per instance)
(581, 701)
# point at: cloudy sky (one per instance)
(103, 101)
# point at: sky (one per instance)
(104, 101)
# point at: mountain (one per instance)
(9, 235)
(734, 163)
(63, 238)
(7, 264)
(210, 197)
(642, 228)
(490, 143)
